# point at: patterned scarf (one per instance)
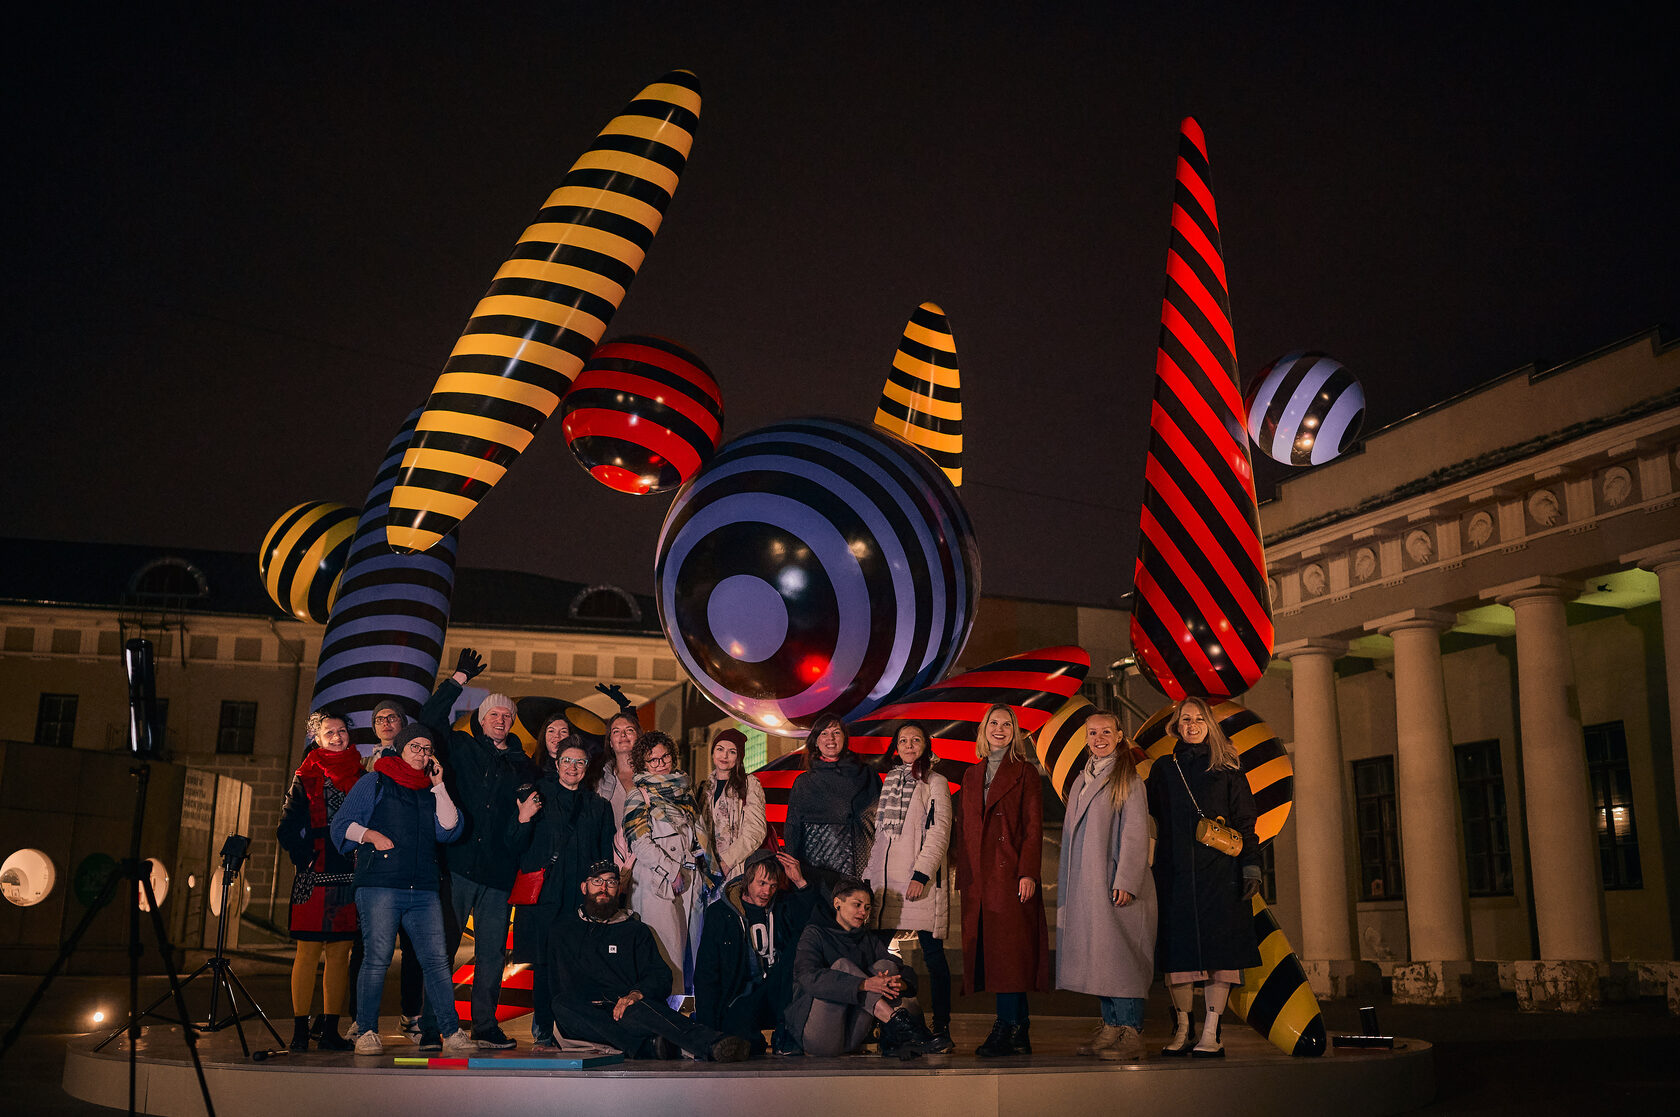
(665, 797)
(896, 794)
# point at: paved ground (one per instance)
(1489, 1057)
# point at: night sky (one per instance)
(241, 251)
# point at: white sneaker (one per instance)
(369, 1043)
(354, 1031)
(459, 1042)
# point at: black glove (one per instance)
(616, 693)
(470, 664)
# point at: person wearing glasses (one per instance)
(609, 982)
(393, 822)
(662, 827)
(573, 831)
(486, 771)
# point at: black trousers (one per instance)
(631, 1034)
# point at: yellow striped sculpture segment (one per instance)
(303, 555)
(1275, 998)
(1061, 743)
(922, 399)
(544, 313)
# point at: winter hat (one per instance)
(393, 705)
(491, 701)
(734, 736)
(413, 731)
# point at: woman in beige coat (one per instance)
(907, 862)
(1105, 899)
(731, 804)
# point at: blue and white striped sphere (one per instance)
(1304, 408)
(816, 566)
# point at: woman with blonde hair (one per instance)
(1206, 929)
(1105, 896)
(1006, 940)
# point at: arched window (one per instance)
(605, 604)
(169, 577)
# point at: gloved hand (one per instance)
(470, 664)
(616, 693)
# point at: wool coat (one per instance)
(664, 863)
(1102, 949)
(1205, 924)
(1006, 943)
(918, 851)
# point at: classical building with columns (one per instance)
(1478, 664)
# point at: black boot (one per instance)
(905, 1036)
(300, 1035)
(996, 1044)
(330, 1040)
(1020, 1039)
(942, 1043)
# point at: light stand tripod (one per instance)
(220, 969)
(142, 723)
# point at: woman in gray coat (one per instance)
(1105, 913)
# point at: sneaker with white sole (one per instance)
(369, 1043)
(459, 1042)
(410, 1027)
(354, 1031)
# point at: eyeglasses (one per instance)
(659, 758)
(575, 761)
(387, 719)
(423, 750)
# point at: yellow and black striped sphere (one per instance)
(303, 555)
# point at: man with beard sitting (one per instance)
(610, 982)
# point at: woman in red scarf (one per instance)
(323, 894)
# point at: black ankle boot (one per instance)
(905, 1036)
(330, 1040)
(997, 1043)
(1020, 1039)
(300, 1035)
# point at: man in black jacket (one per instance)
(610, 982)
(484, 772)
(743, 976)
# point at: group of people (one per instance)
(644, 896)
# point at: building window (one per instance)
(1612, 800)
(1379, 829)
(1487, 835)
(55, 720)
(237, 734)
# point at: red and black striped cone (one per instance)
(1201, 619)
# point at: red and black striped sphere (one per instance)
(643, 416)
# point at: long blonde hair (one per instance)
(1221, 752)
(1124, 773)
(1019, 747)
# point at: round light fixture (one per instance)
(26, 877)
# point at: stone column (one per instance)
(1428, 789)
(1562, 844)
(1664, 561)
(1327, 952)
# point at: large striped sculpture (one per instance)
(1275, 998)
(815, 566)
(385, 635)
(302, 557)
(1304, 408)
(1201, 618)
(1037, 685)
(922, 399)
(643, 416)
(544, 313)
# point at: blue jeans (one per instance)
(1122, 1011)
(1012, 1008)
(490, 913)
(382, 911)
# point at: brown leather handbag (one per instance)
(1211, 832)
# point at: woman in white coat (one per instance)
(731, 804)
(662, 827)
(907, 862)
(1105, 904)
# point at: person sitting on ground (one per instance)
(744, 978)
(844, 979)
(609, 982)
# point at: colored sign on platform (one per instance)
(547, 1062)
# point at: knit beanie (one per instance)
(491, 701)
(732, 735)
(413, 731)
(393, 705)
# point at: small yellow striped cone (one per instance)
(922, 399)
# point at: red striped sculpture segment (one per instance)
(1036, 685)
(544, 313)
(643, 416)
(1201, 618)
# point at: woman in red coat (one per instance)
(1006, 942)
